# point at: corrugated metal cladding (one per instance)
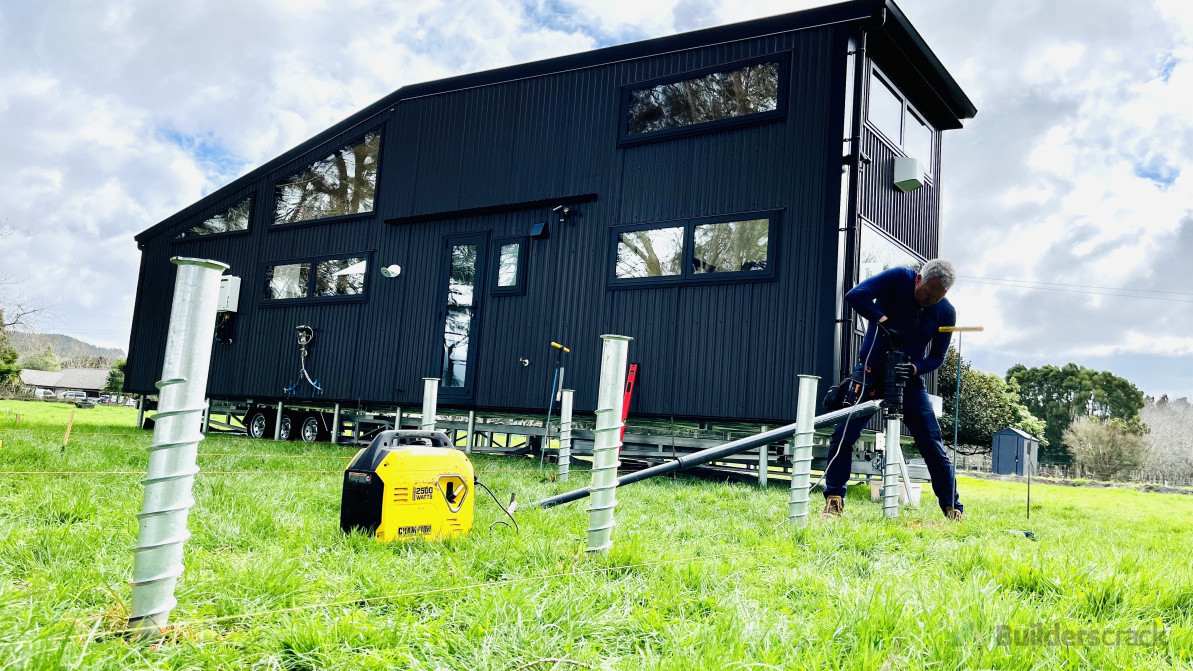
(728, 351)
(911, 218)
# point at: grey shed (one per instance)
(1012, 451)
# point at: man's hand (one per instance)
(905, 371)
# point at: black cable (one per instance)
(507, 513)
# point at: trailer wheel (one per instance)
(310, 431)
(258, 425)
(287, 432)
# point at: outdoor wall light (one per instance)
(391, 271)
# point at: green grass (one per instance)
(702, 575)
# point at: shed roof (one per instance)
(1022, 434)
(897, 29)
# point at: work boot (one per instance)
(953, 514)
(833, 507)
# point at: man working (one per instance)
(907, 309)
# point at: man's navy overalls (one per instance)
(892, 294)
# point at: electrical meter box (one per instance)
(407, 485)
(229, 299)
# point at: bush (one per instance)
(1106, 448)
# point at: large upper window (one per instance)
(331, 277)
(723, 248)
(235, 218)
(896, 119)
(741, 94)
(340, 184)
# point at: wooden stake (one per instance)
(69, 425)
(18, 419)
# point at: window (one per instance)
(341, 184)
(894, 117)
(731, 246)
(340, 277)
(877, 254)
(724, 248)
(333, 278)
(650, 253)
(235, 218)
(458, 327)
(734, 95)
(509, 267)
(287, 281)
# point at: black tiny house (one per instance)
(712, 194)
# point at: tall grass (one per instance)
(702, 574)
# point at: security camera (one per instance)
(391, 271)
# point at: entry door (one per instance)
(464, 279)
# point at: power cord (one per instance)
(507, 513)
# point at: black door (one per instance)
(463, 289)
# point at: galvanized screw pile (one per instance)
(157, 558)
(607, 442)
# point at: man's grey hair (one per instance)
(941, 270)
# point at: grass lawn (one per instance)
(702, 574)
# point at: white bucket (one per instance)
(916, 489)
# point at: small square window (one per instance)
(657, 252)
(340, 277)
(290, 280)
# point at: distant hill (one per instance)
(63, 346)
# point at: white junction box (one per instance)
(909, 176)
(229, 299)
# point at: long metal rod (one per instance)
(859, 411)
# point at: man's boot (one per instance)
(833, 507)
(953, 514)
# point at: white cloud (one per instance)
(1077, 169)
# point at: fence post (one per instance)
(565, 434)
(157, 557)
(801, 451)
(607, 442)
(430, 402)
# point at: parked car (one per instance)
(43, 393)
(73, 395)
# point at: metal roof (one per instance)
(84, 379)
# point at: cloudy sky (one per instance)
(1068, 205)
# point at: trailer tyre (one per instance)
(310, 430)
(258, 424)
(287, 432)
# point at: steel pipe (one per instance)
(801, 451)
(607, 442)
(430, 402)
(565, 434)
(177, 431)
(892, 460)
(860, 411)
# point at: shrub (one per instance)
(1106, 448)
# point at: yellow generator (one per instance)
(406, 485)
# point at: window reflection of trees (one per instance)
(340, 277)
(235, 218)
(730, 246)
(343, 183)
(287, 281)
(653, 253)
(878, 254)
(507, 266)
(457, 330)
(720, 95)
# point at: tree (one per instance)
(10, 372)
(1169, 438)
(115, 384)
(44, 361)
(988, 404)
(1059, 395)
(17, 309)
(1106, 448)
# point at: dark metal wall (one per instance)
(728, 350)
